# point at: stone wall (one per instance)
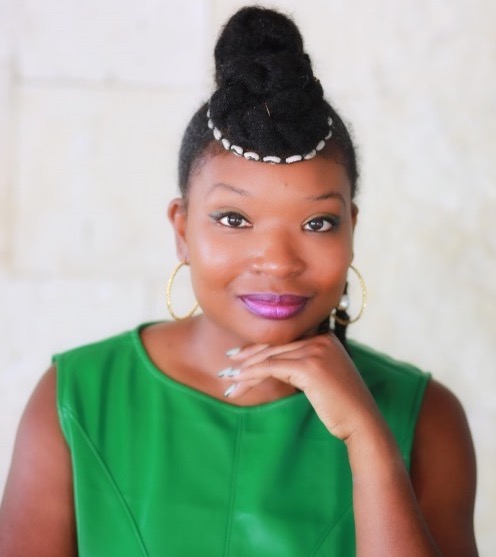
(93, 98)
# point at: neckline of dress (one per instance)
(192, 392)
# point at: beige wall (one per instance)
(93, 97)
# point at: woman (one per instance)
(254, 428)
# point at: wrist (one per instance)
(373, 450)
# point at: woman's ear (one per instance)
(354, 215)
(177, 216)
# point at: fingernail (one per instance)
(230, 390)
(233, 352)
(229, 372)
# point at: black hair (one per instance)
(267, 100)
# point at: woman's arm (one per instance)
(37, 512)
(443, 472)
(389, 518)
(437, 505)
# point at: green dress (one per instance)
(163, 470)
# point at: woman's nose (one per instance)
(277, 254)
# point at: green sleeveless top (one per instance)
(163, 470)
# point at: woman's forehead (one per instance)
(229, 173)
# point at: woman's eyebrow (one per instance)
(328, 195)
(246, 193)
(228, 187)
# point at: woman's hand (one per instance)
(320, 367)
(388, 517)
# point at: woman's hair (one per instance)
(267, 103)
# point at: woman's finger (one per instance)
(287, 370)
(238, 389)
(241, 353)
(253, 355)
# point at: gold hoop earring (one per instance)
(168, 295)
(344, 302)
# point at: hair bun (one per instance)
(267, 99)
(255, 31)
(267, 105)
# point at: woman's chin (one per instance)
(275, 333)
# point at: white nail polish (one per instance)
(233, 352)
(229, 372)
(230, 390)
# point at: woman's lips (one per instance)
(274, 306)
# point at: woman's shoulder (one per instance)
(398, 389)
(376, 366)
(98, 347)
(92, 367)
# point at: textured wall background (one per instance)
(93, 98)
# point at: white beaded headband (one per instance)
(251, 155)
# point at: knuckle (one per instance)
(271, 361)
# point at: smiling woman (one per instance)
(255, 428)
(275, 244)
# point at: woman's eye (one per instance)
(232, 220)
(320, 224)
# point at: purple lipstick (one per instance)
(274, 306)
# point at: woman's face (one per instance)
(269, 246)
